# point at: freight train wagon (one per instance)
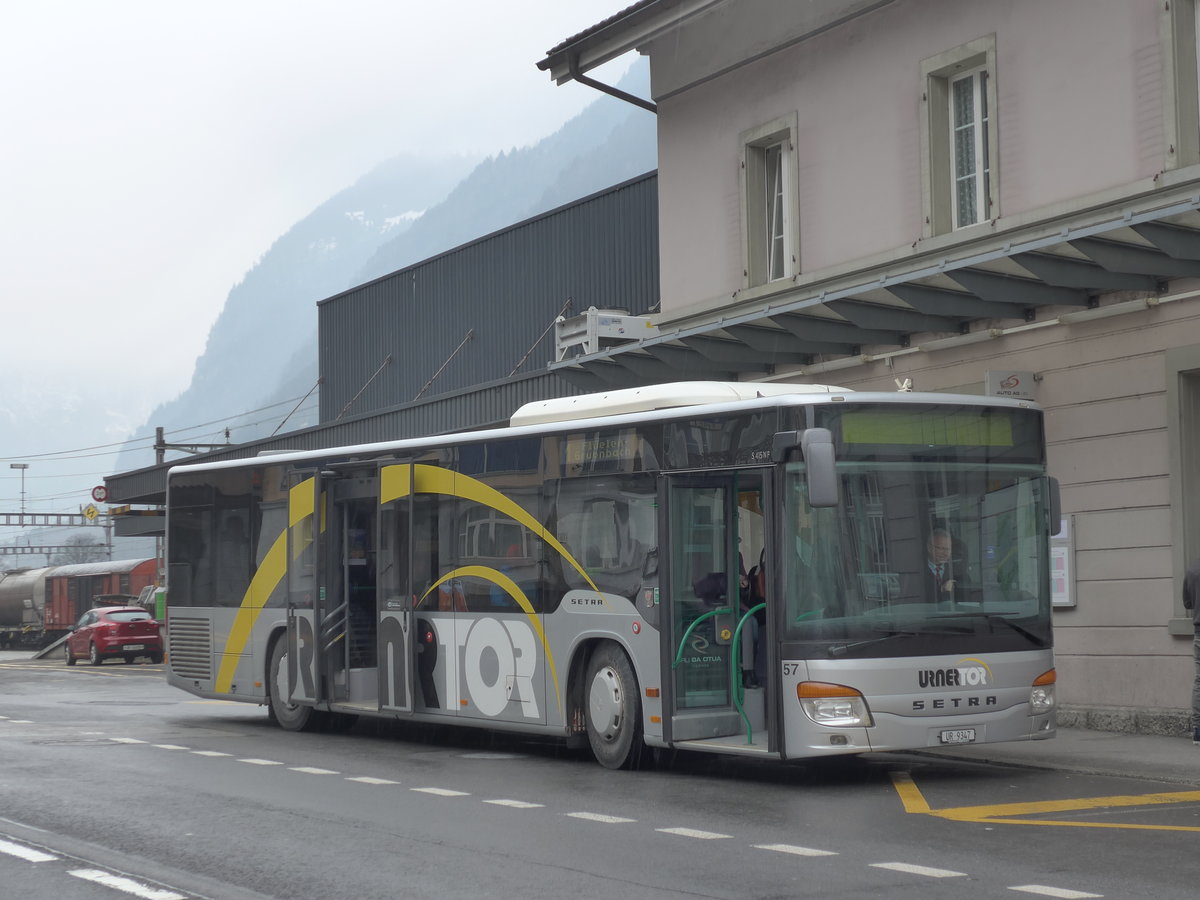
(38, 606)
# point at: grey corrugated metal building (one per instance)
(395, 358)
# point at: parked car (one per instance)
(110, 631)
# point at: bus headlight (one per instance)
(833, 704)
(1041, 695)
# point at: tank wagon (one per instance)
(39, 606)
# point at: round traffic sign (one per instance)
(99, 493)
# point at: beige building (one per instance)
(963, 196)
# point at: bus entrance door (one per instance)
(716, 530)
(349, 624)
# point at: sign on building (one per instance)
(1017, 385)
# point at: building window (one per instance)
(1181, 92)
(958, 137)
(968, 137)
(771, 247)
(774, 217)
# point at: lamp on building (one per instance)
(22, 467)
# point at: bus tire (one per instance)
(613, 708)
(288, 716)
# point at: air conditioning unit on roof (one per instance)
(598, 329)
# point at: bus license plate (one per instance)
(959, 736)
(134, 647)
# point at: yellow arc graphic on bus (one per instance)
(395, 483)
(511, 588)
(267, 577)
(395, 480)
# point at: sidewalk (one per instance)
(1170, 759)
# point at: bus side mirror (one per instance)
(1055, 506)
(819, 464)
(817, 446)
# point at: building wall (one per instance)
(1075, 117)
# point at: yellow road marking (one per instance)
(1003, 813)
(910, 795)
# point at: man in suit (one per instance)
(940, 581)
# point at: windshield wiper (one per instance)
(991, 617)
(888, 634)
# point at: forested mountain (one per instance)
(261, 353)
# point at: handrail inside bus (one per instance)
(735, 670)
(734, 657)
(683, 640)
(332, 620)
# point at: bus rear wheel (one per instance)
(288, 716)
(614, 709)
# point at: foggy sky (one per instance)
(154, 150)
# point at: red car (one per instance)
(108, 631)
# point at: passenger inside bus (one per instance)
(754, 657)
(947, 577)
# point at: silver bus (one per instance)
(774, 571)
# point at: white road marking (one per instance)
(919, 870)
(516, 804)
(694, 833)
(26, 853)
(148, 893)
(491, 755)
(128, 885)
(794, 850)
(597, 817)
(1053, 892)
(19, 721)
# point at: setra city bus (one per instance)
(738, 568)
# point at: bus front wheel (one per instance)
(614, 709)
(288, 716)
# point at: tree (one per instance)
(79, 548)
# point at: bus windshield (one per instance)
(923, 556)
